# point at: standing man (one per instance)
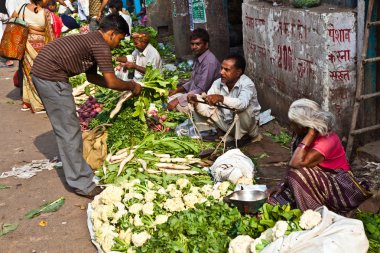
(235, 91)
(144, 54)
(96, 8)
(206, 70)
(70, 56)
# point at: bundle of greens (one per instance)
(155, 89)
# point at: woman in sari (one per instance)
(40, 32)
(319, 173)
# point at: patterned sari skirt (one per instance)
(310, 188)
(30, 96)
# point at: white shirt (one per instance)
(243, 96)
(12, 5)
(149, 56)
(127, 19)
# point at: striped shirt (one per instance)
(72, 55)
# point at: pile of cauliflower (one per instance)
(246, 244)
(132, 210)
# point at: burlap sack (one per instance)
(95, 146)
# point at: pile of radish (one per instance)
(87, 111)
(156, 122)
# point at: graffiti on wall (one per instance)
(297, 53)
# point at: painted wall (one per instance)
(293, 53)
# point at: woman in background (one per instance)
(40, 32)
(319, 173)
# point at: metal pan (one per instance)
(247, 201)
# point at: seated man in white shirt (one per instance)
(144, 54)
(233, 90)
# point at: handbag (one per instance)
(15, 36)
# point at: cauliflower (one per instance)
(130, 250)
(150, 196)
(244, 180)
(135, 208)
(105, 235)
(171, 187)
(126, 236)
(182, 183)
(267, 235)
(207, 189)
(241, 244)
(279, 229)
(150, 184)
(111, 194)
(148, 208)
(133, 195)
(174, 205)
(190, 200)
(215, 194)
(309, 219)
(102, 212)
(161, 191)
(137, 221)
(96, 202)
(223, 187)
(96, 224)
(161, 219)
(140, 238)
(175, 193)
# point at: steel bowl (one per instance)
(247, 201)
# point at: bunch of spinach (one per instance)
(371, 223)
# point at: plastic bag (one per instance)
(232, 166)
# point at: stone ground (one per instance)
(25, 137)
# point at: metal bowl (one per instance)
(247, 201)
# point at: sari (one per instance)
(310, 188)
(37, 39)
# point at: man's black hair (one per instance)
(200, 33)
(117, 4)
(239, 61)
(114, 22)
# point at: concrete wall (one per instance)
(159, 16)
(293, 53)
(216, 24)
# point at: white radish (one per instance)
(189, 156)
(153, 171)
(143, 163)
(104, 169)
(162, 155)
(125, 95)
(121, 151)
(188, 172)
(118, 158)
(173, 160)
(108, 157)
(148, 152)
(124, 162)
(172, 166)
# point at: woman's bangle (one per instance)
(303, 146)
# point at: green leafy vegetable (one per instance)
(7, 228)
(3, 186)
(46, 208)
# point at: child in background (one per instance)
(116, 7)
(56, 20)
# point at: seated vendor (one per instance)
(235, 91)
(206, 70)
(144, 54)
(319, 173)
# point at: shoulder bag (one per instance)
(13, 43)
